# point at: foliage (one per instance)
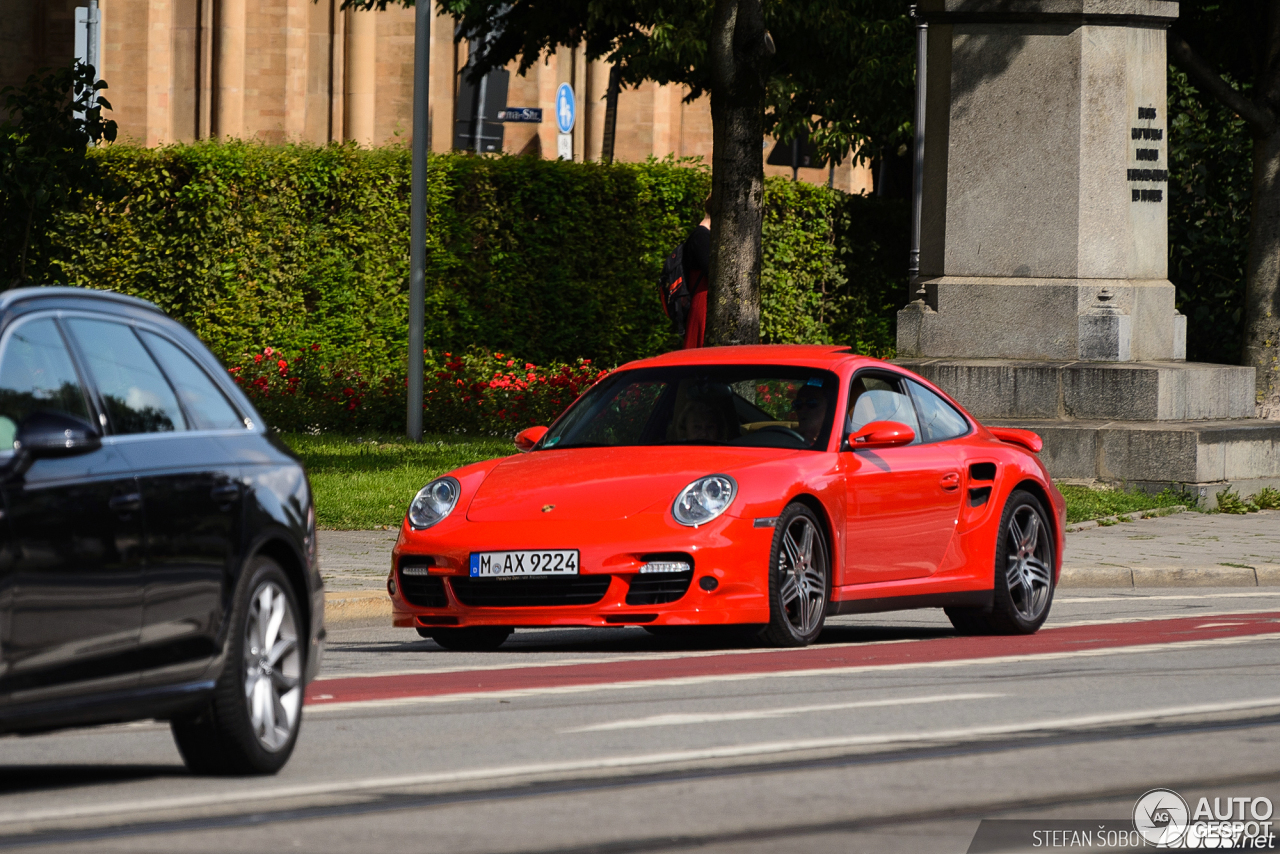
(1229, 501)
(297, 248)
(1267, 498)
(52, 118)
(367, 481)
(844, 69)
(1210, 177)
(1085, 503)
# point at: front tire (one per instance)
(799, 579)
(1023, 588)
(251, 723)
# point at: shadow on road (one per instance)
(634, 640)
(32, 778)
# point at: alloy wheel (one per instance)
(802, 584)
(273, 667)
(1029, 578)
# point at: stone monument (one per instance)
(1043, 298)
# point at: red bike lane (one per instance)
(1084, 639)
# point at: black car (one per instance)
(157, 551)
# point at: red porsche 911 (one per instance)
(765, 486)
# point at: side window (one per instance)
(205, 404)
(937, 419)
(36, 373)
(136, 395)
(873, 398)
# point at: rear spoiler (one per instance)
(1024, 438)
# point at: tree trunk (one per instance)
(737, 172)
(611, 113)
(1262, 276)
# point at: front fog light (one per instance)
(704, 499)
(664, 566)
(433, 502)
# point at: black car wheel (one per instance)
(1023, 589)
(473, 638)
(251, 724)
(799, 579)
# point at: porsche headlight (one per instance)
(704, 499)
(433, 502)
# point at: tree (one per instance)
(53, 118)
(1231, 51)
(841, 69)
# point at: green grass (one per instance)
(367, 483)
(1085, 503)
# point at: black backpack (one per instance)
(674, 289)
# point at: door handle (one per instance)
(127, 503)
(951, 481)
(225, 493)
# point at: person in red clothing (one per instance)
(697, 267)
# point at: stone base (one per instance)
(1112, 320)
(1204, 457)
(1098, 391)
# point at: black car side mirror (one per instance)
(47, 434)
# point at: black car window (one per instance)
(880, 398)
(205, 404)
(136, 395)
(938, 420)
(36, 373)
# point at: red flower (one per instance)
(268, 351)
(257, 358)
(315, 348)
(234, 370)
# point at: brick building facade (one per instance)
(278, 70)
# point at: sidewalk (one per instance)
(1183, 550)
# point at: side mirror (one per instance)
(50, 434)
(881, 434)
(527, 438)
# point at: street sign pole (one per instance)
(418, 216)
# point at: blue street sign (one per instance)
(521, 114)
(566, 108)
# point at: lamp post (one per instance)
(418, 215)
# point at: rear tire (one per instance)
(1023, 590)
(251, 723)
(799, 579)
(472, 639)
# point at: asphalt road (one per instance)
(892, 735)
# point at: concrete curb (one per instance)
(352, 606)
(1108, 521)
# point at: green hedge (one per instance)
(286, 246)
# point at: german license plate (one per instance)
(547, 562)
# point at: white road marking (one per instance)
(260, 794)
(763, 714)
(1078, 600)
(683, 681)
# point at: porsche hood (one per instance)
(599, 484)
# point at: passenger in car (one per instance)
(699, 421)
(809, 409)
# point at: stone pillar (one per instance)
(229, 69)
(361, 74)
(1044, 247)
(1044, 227)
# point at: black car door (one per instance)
(165, 423)
(74, 578)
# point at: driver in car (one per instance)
(809, 409)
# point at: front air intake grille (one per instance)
(530, 592)
(658, 589)
(425, 591)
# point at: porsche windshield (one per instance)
(768, 406)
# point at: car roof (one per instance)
(10, 298)
(809, 355)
